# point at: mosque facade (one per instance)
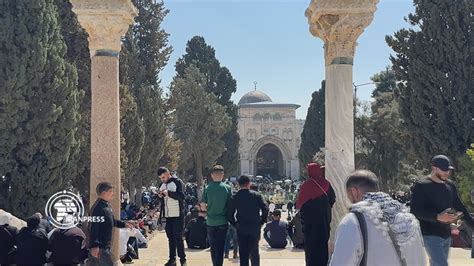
(270, 137)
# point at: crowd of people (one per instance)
(377, 230)
(40, 243)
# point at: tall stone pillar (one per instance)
(339, 23)
(106, 21)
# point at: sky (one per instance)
(268, 41)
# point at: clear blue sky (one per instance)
(268, 41)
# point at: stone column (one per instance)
(106, 21)
(339, 23)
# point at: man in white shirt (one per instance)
(384, 226)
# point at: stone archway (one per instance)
(269, 162)
(269, 144)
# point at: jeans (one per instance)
(248, 244)
(274, 244)
(231, 236)
(174, 232)
(216, 236)
(437, 249)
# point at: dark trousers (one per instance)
(248, 247)
(216, 236)
(104, 259)
(174, 232)
(316, 246)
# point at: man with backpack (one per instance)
(378, 230)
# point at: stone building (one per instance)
(270, 136)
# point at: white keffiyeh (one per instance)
(383, 210)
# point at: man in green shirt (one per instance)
(216, 199)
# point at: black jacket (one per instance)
(429, 199)
(177, 195)
(196, 233)
(8, 236)
(32, 246)
(67, 246)
(244, 211)
(100, 233)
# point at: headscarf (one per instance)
(315, 187)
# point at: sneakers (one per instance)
(171, 263)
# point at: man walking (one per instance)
(216, 199)
(435, 202)
(378, 230)
(172, 208)
(246, 206)
(100, 233)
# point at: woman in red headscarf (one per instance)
(315, 200)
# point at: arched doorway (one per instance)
(269, 162)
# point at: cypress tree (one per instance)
(78, 54)
(312, 137)
(132, 133)
(39, 106)
(145, 52)
(434, 61)
(220, 82)
(200, 121)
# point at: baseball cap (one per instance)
(217, 168)
(442, 162)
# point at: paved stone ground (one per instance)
(157, 254)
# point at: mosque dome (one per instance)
(254, 96)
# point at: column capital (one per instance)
(339, 23)
(106, 21)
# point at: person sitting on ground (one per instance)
(192, 214)
(295, 230)
(276, 231)
(67, 246)
(196, 231)
(8, 236)
(378, 230)
(32, 243)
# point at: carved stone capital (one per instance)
(106, 21)
(339, 23)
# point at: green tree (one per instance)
(378, 132)
(145, 52)
(465, 177)
(387, 153)
(39, 106)
(312, 137)
(132, 134)
(200, 121)
(220, 82)
(78, 54)
(434, 63)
